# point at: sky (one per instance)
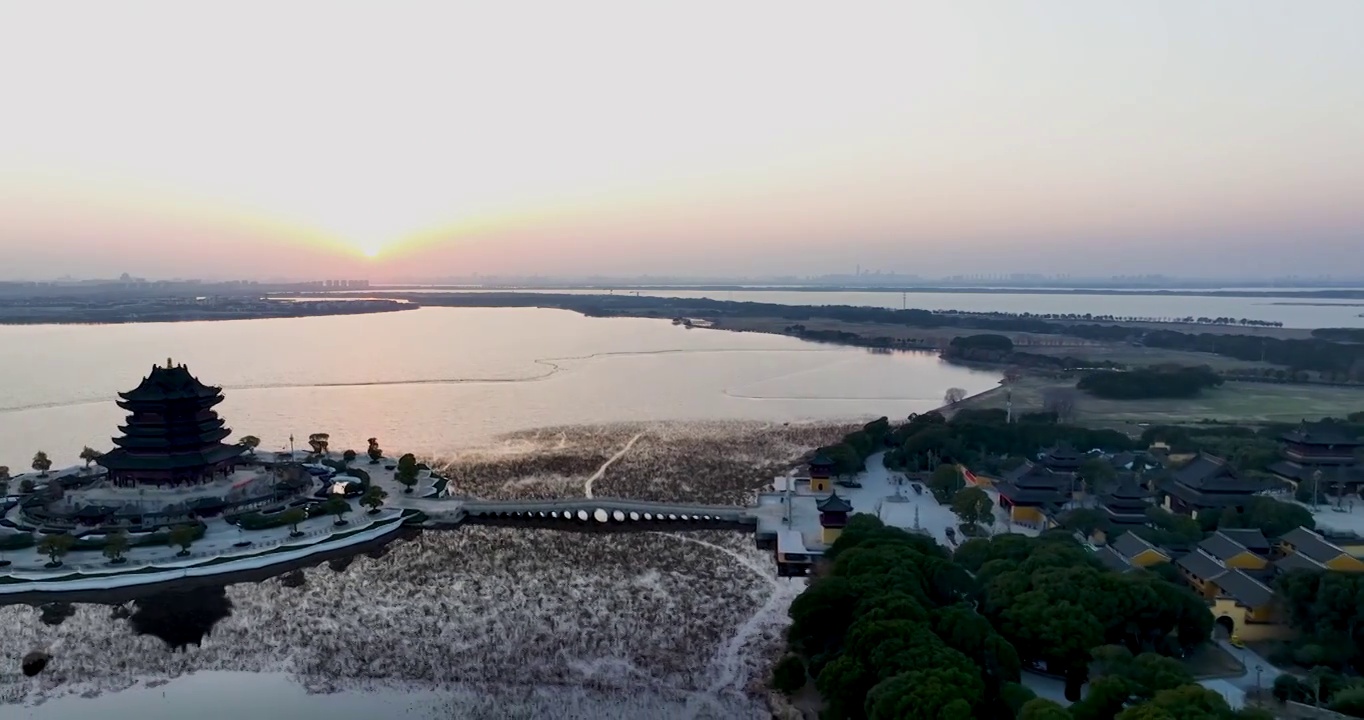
(409, 140)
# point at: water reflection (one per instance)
(183, 617)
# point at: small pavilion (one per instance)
(833, 516)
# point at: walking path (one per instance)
(587, 486)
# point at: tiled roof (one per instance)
(1222, 547)
(834, 504)
(1312, 545)
(1208, 473)
(1113, 560)
(1245, 589)
(1321, 434)
(1296, 561)
(1251, 538)
(1201, 565)
(1130, 545)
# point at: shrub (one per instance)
(789, 675)
(17, 541)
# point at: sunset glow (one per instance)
(421, 139)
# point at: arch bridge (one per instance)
(606, 513)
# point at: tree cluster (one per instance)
(850, 455)
(898, 628)
(889, 632)
(1326, 608)
(925, 441)
(1145, 383)
(1055, 603)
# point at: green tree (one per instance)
(292, 517)
(42, 463)
(338, 507)
(348, 456)
(89, 455)
(250, 442)
(115, 545)
(319, 442)
(407, 472)
(183, 537)
(1349, 701)
(1188, 702)
(55, 547)
(1086, 521)
(928, 694)
(945, 482)
(789, 675)
(373, 498)
(1270, 516)
(1097, 475)
(974, 506)
(375, 454)
(1042, 709)
(4, 480)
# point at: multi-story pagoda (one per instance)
(1063, 458)
(1321, 452)
(1126, 506)
(173, 435)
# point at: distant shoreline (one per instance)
(1341, 294)
(39, 313)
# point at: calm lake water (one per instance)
(1289, 311)
(431, 381)
(435, 380)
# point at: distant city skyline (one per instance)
(405, 140)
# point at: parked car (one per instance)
(918, 489)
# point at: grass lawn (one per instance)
(1232, 402)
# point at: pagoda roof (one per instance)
(1031, 474)
(821, 459)
(1064, 450)
(1129, 490)
(834, 504)
(1329, 434)
(1297, 472)
(172, 382)
(1032, 484)
(122, 459)
(1211, 474)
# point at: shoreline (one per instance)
(116, 315)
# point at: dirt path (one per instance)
(728, 662)
(587, 486)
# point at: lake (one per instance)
(438, 610)
(1292, 312)
(437, 380)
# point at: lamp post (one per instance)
(1258, 669)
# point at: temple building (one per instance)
(1031, 492)
(833, 517)
(172, 436)
(1320, 451)
(1125, 507)
(1207, 484)
(1063, 458)
(821, 471)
